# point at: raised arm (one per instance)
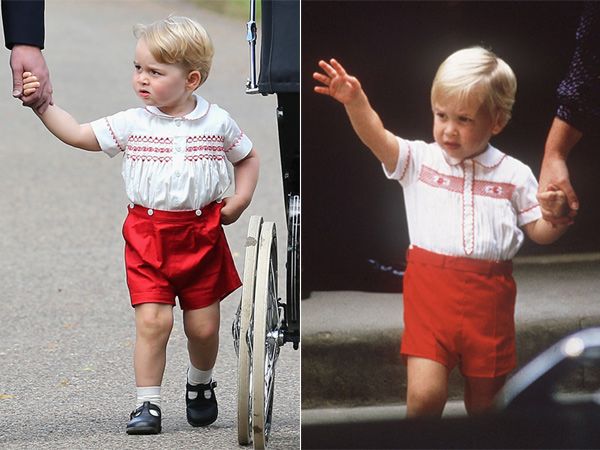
(347, 90)
(60, 123)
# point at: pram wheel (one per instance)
(243, 334)
(266, 335)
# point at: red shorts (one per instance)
(460, 311)
(178, 253)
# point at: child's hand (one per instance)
(232, 209)
(30, 83)
(337, 83)
(554, 203)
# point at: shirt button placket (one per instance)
(180, 146)
(468, 206)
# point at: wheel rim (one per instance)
(266, 336)
(242, 330)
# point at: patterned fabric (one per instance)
(579, 92)
(174, 163)
(471, 208)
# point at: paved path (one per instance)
(66, 328)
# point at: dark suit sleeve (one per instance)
(23, 22)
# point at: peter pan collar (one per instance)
(201, 109)
(489, 159)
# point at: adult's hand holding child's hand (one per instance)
(26, 58)
(554, 205)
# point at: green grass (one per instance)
(233, 8)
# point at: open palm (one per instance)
(336, 82)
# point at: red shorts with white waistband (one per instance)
(180, 254)
(460, 311)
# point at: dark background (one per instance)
(354, 226)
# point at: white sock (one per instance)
(148, 394)
(196, 377)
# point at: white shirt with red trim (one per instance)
(174, 163)
(471, 208)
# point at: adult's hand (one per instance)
(562, 137)
(555, 176)
(27, 58)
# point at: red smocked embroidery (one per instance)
(205, 138)
(206, 148)
(493, 189)
(150, 139)
(161, 159)
(199, 157)
(484, 188)
(143, 148)
(436, 179)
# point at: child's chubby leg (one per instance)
(480, 393)
(153, 325)
(201, 327)
(427, 389)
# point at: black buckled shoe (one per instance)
(145, 420)
(203, 409)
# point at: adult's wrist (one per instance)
(562, 137)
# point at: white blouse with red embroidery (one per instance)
(174, 163)
(471, 208)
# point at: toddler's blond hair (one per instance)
(476, 73)
(178, 40)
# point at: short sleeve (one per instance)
(236, 144)
(410, 156)
(525, 200)
(112, 132)
(401, 164)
